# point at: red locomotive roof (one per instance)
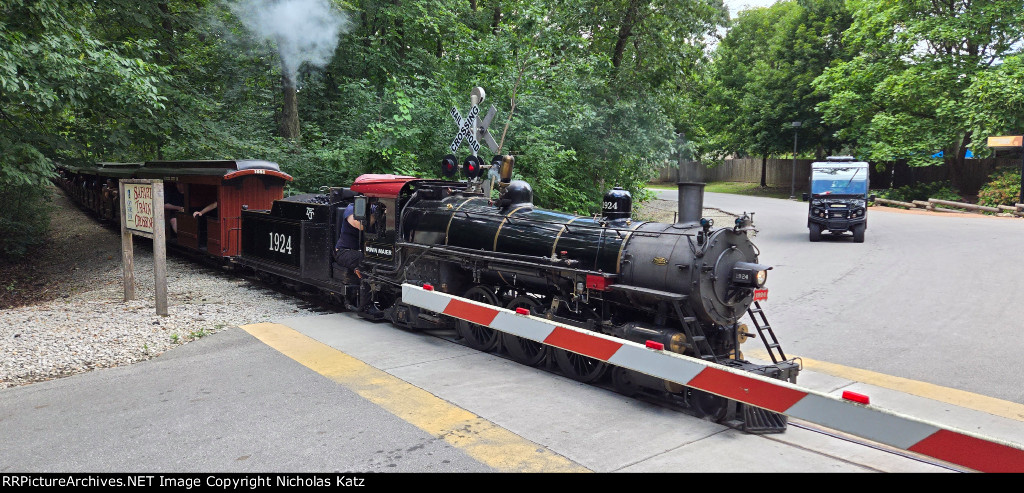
(381, 185)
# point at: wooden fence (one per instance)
(779, 173)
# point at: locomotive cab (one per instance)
(838, 201)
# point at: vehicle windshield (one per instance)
(839, 181)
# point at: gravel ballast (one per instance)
(88, 324)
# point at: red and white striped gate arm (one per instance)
(906, 433)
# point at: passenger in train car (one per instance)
(348, 253)
(206, 210)
(110, 189)
(174, 201)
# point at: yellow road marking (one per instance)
(481, 439)
(960, 398)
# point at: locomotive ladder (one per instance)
(762, 329)
(695, 337)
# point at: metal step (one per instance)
(763, 421)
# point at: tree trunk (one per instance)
(496, 20)
(289, 110)
(629, 21)
(764, 170)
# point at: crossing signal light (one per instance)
(449, 165)
(473, 167)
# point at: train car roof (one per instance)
(118, 170)
(227, 169)
(381, 185)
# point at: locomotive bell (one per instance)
(617, 204)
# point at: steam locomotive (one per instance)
(685, 285)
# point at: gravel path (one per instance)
(88, 324)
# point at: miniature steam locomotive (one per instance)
(685, 285)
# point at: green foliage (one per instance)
(590, 93)
(24, 219)
(942, 190)
(913, 87)
(998, 96)
(1003, 188)
(761, 79)
(64, 95)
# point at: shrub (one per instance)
(24, 220)
(942, 190)
(1003, 188)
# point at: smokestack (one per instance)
(691, 203)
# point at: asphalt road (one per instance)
(929, 297)
(334, 393)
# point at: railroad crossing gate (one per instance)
(847, 415)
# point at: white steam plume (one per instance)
(303, 30)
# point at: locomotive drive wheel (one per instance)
(815, 232)
(623, 381)
(708, 405)
(579, 367)
(524, 351)
(476, 336)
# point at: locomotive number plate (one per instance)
(760, 294)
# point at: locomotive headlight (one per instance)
(751, 275)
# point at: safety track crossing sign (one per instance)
(906, 433)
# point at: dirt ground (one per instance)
(78, 253)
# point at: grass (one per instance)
(735, 188)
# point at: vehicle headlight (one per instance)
(748, 274)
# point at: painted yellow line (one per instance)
(959, 398)
(481, 439)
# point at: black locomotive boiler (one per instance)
(685, 285)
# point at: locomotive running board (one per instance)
(944, 443)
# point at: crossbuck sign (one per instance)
(469, 129)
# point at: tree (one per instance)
(64, 95)
(762, 75)
(902, 97)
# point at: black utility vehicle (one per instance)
(839, 198)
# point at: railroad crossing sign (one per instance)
(466, 129)
(469, 129)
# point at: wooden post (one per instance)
(970, 207)
(894, 202)
(127, 251)
(140, 219)
(159, 249)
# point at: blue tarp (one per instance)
(969, 154)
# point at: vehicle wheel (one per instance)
(709, 406)
(525, 351)
(479, 337)
(815, 231)
(579, 367)
(858, 233)
(624, 382)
